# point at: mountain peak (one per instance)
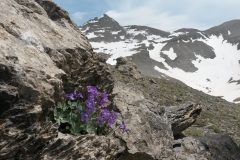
(105, 16)
(97, 24)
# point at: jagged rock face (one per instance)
(217, 147)
(194, 57)
(149, 134)
(42, 56)
(183, 116)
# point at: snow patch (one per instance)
(85, 29)
(91, 35)
(115, 49)
(170, 53)
(202, 34)
(136, 32)
(178, 34)
(101, 31)
(92, 21)
(115, 32)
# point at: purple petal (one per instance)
(104, 116)
(104, 99)
(112, 119)
(69, 96)
(92, 89)
(77, 94)
(84, 117)
(123, 127)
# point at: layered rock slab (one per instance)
(149, 134)
(183, 116)
(42, 56)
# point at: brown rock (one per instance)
(183, 116)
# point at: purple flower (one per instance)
(104, 99)
(104, 116)
(112, 119)
(90, 110)
(92, 90)
(84, 117)
(69, 96)
(123, 127)
(90, 106)
(73, 95)
(77, 94)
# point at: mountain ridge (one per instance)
(197, 58)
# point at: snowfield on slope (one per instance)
(213, 75)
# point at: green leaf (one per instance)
(64, 120)
(64, 107)
(74, 104)
(69, 103)
(59, 105)
(91, 127)
(55, 112)
(80, 108)
(65, 113)
(50, 118)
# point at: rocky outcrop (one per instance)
(183, 116)
(149, 134)
(221, 147)
(44, 55)
(127, 68)
(215, 147)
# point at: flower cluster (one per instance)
(107, 117)
(92, 111)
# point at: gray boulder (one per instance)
(183, 116)
(149, 134)
(215, 147)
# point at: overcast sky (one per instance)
(167, 15)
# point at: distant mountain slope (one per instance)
(205, 60)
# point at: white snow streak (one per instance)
(212, 75)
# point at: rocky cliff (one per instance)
(43, 55)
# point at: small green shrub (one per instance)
(194, 132)
(216, 129)
(200, 122)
